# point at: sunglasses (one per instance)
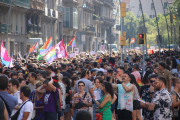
(80, 85)
(151, 81)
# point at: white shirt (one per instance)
(27, 107)
(17, 95)
(29, 22)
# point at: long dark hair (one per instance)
(145, 78)
(109, 88)
(73, 79)
(133, 81)
(174, 63)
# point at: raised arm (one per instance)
(50, 84)
(41, 89)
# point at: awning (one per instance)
(32, 41)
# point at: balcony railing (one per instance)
(74, 1)
(34, 29)
(6, 2)
(66, 24)
(109, 19)
(88, 5)
(109, 2)
(3, 28)
(90, 28)
(37, 4)
(39, 29)
(22, 3)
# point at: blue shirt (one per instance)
(177, 61)
(10, 100)
(99, 90)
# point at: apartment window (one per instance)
(165, 5)
(139, 6)
(16, 28)
(66, 17)
(150, 16)
(75, 18)
(152, 6)
(153, 16)
(21, 30)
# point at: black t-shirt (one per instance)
(68, 98)
(143, 87)
(66, 74)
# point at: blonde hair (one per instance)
(60, 76)
(126, 66)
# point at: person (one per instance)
(136, 72)
(14, 75)
(81, 96)
(147, 96)
(20, 74)
(174, 66)
(13, 88)
(136, 104)
(50, 111)
(22, 82)
(8, 99)
(27, 106)
(85, 77)
(37, 99)
(161, 101)
(3, 111)
(166, 74)
(98, 82)
(42, 75)
(125, 89)
(176, 98)
(105, 105)
(51, 71)
(63, 67)
(32, 80)
(83, 115)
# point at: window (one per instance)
(165, 5)
(152, 6)
(150, 16)
(75, 18)
(66, 17)
(153, 16)
(139, 6)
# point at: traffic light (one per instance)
(123, 39)
(123, 9)
(141, 38)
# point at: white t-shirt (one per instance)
(17, 95)
(28, 107)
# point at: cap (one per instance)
(93, 70)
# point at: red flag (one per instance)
(63, 52)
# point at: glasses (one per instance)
(151, 81)
(80, 85)
(9, 85)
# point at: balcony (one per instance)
(66, 24)
(108, 21)
(90, 29)
(59, 8)
(97, 34)
(109, 3)
(34, 29)
(88, 7)
(37, 5)
(22, 3)
(71, 2)
(98, 2)
(3, 28)
(97, 19)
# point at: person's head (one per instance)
(98, 81)
(155, 68)
(45, 85)
(50, 69)
(126, 77)
(74, 80)
(63, 67)
(152, 79)
(93, 72)
(135, 67)
(120, 70)
(174, 63)
(22, 82)
(66, 80)
(176, 83)
(81, 86)
(107, 88)
(95, 64)
(13, 85)
(20, 74)
(29, 67)
(39, 84)
(25, 92)
(86, 74)
(162, 65)
(160, 83)
(83, 115)
(109, 72)
(3, 82)
(43, 74)
(133, 81)
(32, 77)
(145, 77)
(14, 75)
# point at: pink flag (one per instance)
(61, 50)
(5, 59)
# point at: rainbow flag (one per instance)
(5, 59)
(99, 61)
(50, 55)
(141, 100)
(72, 43)
(44, 49)
(33, 48)
(139, 82)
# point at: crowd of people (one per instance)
(91, 87)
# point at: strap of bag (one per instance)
(23, 104)
(9, 112)
(84, 95)
(54, 100)
(105, 109)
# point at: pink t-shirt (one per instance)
(136, 75)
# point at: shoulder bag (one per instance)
(80, 104)
(9, 112)
(98, 116)
(57, 103)
(15, 116)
